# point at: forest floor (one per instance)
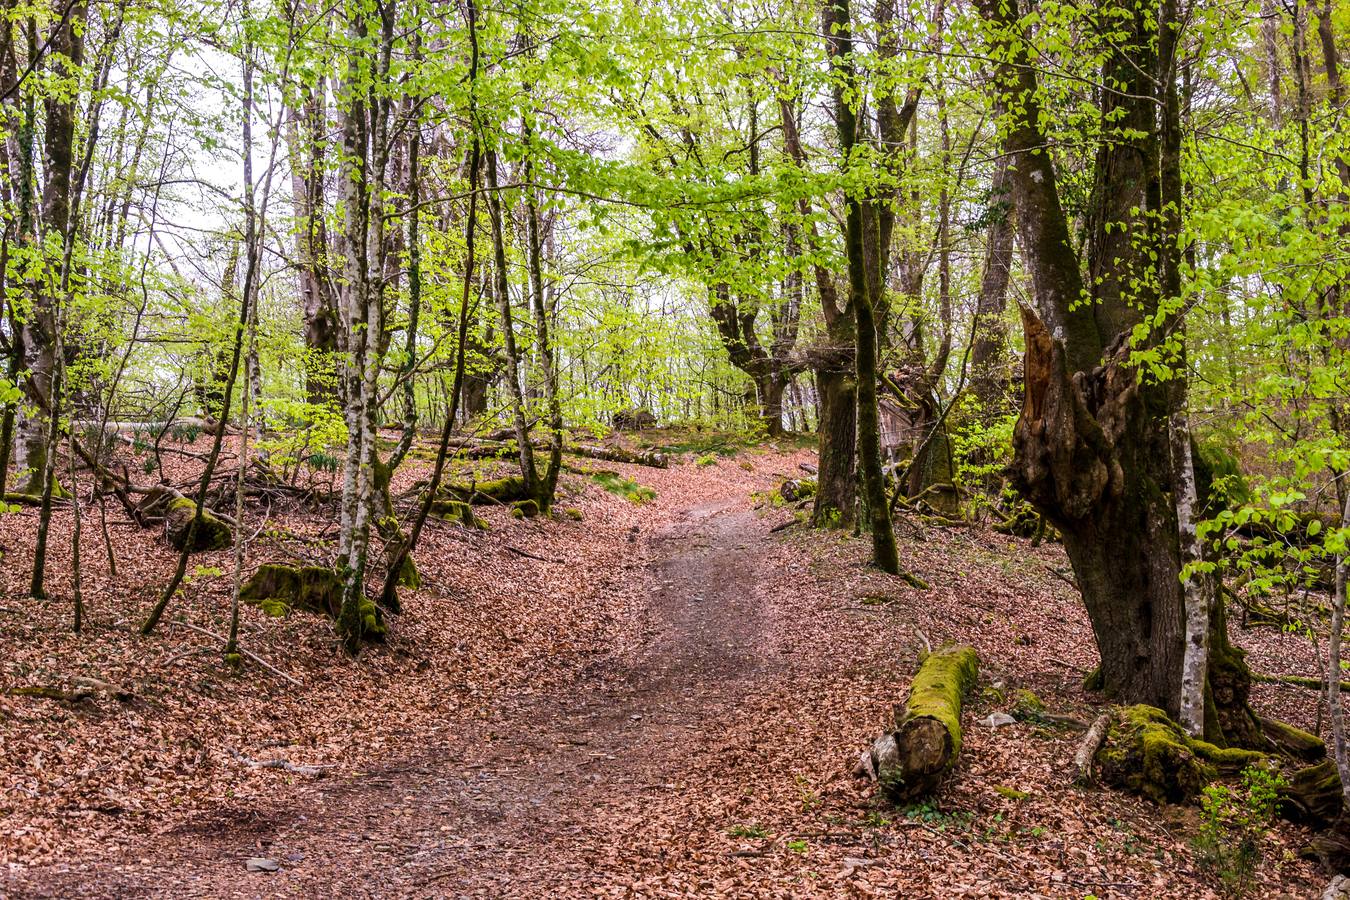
(663, 699)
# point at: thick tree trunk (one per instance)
(1091, 445)
(304, 128)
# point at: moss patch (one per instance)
(625, 487)
(459, 511)
(309, 588)
(278, 589)
(1027, 706)
(498, 490)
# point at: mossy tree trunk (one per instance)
(832, 365)
(502, 294)
(869, 222)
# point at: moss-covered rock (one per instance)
(459, 511)
(1027, 706)
(1146, 752)
(211, 532)
(309, 588)
(525, 509)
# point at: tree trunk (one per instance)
(771, 390)
(837, 480)
(988, 354)
(502, 290)
(866, 250)
(304, 128)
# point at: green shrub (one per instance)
(1234, 822)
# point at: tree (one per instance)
(1092, 448)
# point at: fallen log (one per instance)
(652, 458)
(1316, 684)
(486, 448)
(910, 761)
(1084, 759)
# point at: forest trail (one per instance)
(689, 732)
(516, 803)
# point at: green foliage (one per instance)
(1234, 824)
(314, 437)
(625, 487)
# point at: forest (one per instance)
(841, 448)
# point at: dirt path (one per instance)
(516, 804)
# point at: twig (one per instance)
(527, 554)
(313, 771)
(185, 654)
(1062, 577)
(927, 647)
(782, 526)
(250, 654)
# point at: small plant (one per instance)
(1234, 822)
(707, 459)
(930, 813)
(798, 846)
(810, 798)
(753, 830)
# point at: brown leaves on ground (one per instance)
(669, 703)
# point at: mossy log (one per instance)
(498, 490)
(1313, 795)
(651, 458)
(910, 761)
(1292, 742)
(279, 589)
(489, 449)
(1149, 754)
